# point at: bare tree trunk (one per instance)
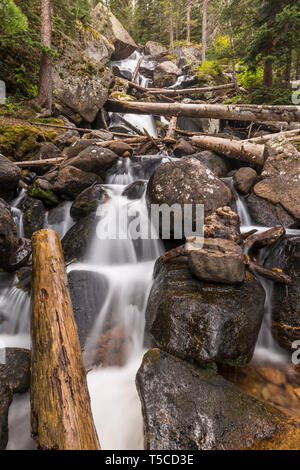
(61, 416)
(45, 86)
(268, 73)
(171, 28)
(204, 29)
(188, 22)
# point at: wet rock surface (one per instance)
(71, 181)
(16, 370)
(285, 255)
(77, 240)
(135, 190)
(265, 213)
(185, 407)
(9, 242)
(88, 293)
(216, 260)
(47, 150)
(5, 401)
(201, 321)
(33, 216)
(88, 201)
(10, 175)
(93, 160)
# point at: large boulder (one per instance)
(71, 181)
(187, 182)
(201, 321)
(285, 255)
(47, 150)
(9, 242)
(216, 260)
(10, 175)
(165, 74)
(43, 189)
(93, 160)
(5, 401)
(81, 80)
(186, 55)
(88, 201)
(16, 370)
(153, 48)
(185, 407)
(281, 177)
(103, 20)
(88, 293)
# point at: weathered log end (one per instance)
(61, 416)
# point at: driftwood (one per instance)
(253, 154)
(274, 275)
(61, 417)
(174, 253)
(214, 111)
(39, 163)
(137, 68)
(268, 238)
(172, 127)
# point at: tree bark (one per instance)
(268, 73)
(253, 154)
(204, 29)
(61, 416)
(172, 92)
(214, 111)
(273, 275)
(45, 85)
(188, 22)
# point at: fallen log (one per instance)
(216, 111)
(39, 163)
(289, 135)
(189, 91)
(61, 417)
(136, 71)
(253, 154)
(275, 275)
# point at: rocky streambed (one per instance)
(219, 319)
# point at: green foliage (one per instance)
(12, 20)
(276, 96)
(251, 78)
(209, 69)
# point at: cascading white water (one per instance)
(128, 269)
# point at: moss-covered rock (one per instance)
(33, 216)
(46, 195)
(21, 141)
(88, 201)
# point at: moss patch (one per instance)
(21, 142)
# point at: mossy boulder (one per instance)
(6, 397)
(9, 242)
(44, 193)
(203, 322)
(20, 142)
(186, 407)
(88, 201)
